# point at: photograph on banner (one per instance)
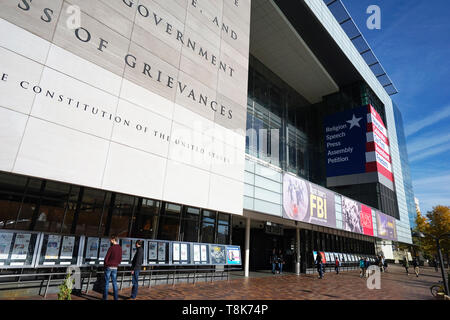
(356, 217)
(308, 202)
(351, 218)
(386, 226)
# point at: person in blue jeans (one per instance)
(280, 261)
(274, 260)
(319, 265)
(136, 265)
(112, 260)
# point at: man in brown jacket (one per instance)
(113, 259)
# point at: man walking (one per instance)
(136, 264)
(319, 265)
(362, 265)
(112, 260)
(274, 260)
(336, 265)
(406, 265)
(416, 267)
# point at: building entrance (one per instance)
(263, 239)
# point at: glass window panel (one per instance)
(190, 224)
(12, 188)
(208, 224)
(121, 216)
(92, 214)
(169, 222)
(26, 213)
(146, 225)
(50, 215)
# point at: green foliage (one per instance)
(436, 223)
(65, 290)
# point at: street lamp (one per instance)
(422, 235)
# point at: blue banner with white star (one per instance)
(345, 142)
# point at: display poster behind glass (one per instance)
(20, 248)
(52, 251)
(5, 244)
(91, 254)
(176, 252)
(68, 245)
(184, 252)
(217, 254)
(126, 251)
(105, 243)
(233, 255)
(162, 252)
(196, 248)
(152, 250)
(204, 253)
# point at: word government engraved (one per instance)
(159, 85)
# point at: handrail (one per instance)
(123, 273)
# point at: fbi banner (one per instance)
(308, 202)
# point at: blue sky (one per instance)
(413, 45)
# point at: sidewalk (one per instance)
(395, 285)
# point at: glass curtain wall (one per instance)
(277, 119)
(39, 205)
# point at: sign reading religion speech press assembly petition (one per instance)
(141, 97)
(357, 145)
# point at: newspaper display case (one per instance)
(200, 253)
(18, 249)
(234, 255)
(22, 249)
(158, 252)
(58, 250)
(181, 253)
(217, 254)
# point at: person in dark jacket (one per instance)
(112, 260)
(416, 267)
(273, 260)
(319, 265)
(136, 264)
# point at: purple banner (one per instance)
(386, 227)
(308, 202)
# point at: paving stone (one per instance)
(395, 285)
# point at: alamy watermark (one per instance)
(73, 21)
(374, 278)
(374, 20)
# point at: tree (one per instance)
(436, 223)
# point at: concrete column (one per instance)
(297, 263)
(247, 248)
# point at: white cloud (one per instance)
(427, 121)
(424, 143)
(429, 153)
